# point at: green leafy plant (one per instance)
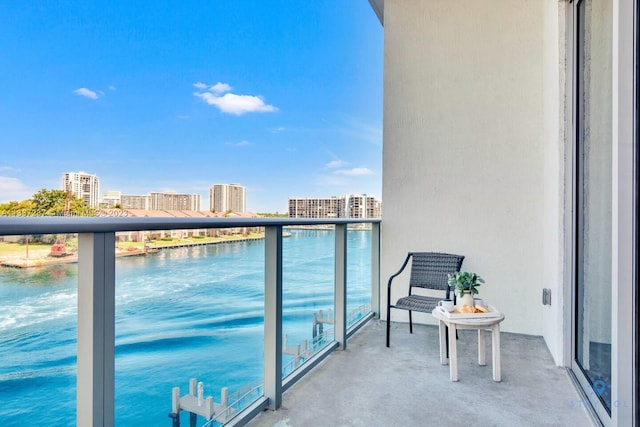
(465, 281)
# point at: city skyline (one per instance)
(227, 197)
(287, 101)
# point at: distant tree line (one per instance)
(48, 203)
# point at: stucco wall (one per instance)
(555, 173)
(464, 145)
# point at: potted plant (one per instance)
(465, 285)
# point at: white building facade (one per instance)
(228, 198)
(135, 202)
(511, 127)
(363, 206)
(174, 202)
(351, 206)
(111, 199)
(83, 185)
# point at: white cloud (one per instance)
(238, 144)
(354, 172)
(237, 104)
(13, 189)
(88, 93)
(278, 129)
(334, 164)
(200, 85)
(220, 88)
(112, 87)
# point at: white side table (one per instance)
(480, 321)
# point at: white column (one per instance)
(96, 329)
(624, 328)
(340, 319)
(273, 316)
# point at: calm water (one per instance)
(180, 313)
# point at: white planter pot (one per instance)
(467, 299)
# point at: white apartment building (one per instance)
(227, 197)
(111, 198)
(363, 206)
(307, 207)
(351, 206)
(83, 185)
(174, 202)
(135, 202)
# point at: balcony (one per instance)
(405, 385)
(364, 383)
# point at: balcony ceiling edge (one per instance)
(378, 8)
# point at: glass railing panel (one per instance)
(308, 293)
(358, 272)
(192, 309)
(38, 330)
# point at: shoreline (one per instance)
(47, 260)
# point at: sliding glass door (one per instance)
(593, 202)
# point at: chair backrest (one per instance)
(430, 269)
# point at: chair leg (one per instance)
(410, 323)
(446, 338)
(388, 320)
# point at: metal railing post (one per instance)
(340, 319)
(96, 329)
(375, 268)
(273, 316)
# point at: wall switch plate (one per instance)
(546, 296)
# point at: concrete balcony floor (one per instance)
(405, 385)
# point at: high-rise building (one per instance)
(135, 202)
(305, 207)
(83, 185)
(174, 202)
(227, 197)
(363, 206)
(352, 206)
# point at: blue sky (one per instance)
(283, 97)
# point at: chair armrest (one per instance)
(406, 261)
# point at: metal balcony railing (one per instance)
(96, 299)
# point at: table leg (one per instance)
(481, 352)
(495, 350)
(443, 343)
(453, 353)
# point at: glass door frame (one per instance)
(636, 214)
(589, 398)
(625, 391)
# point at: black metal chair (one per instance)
(429, 270)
